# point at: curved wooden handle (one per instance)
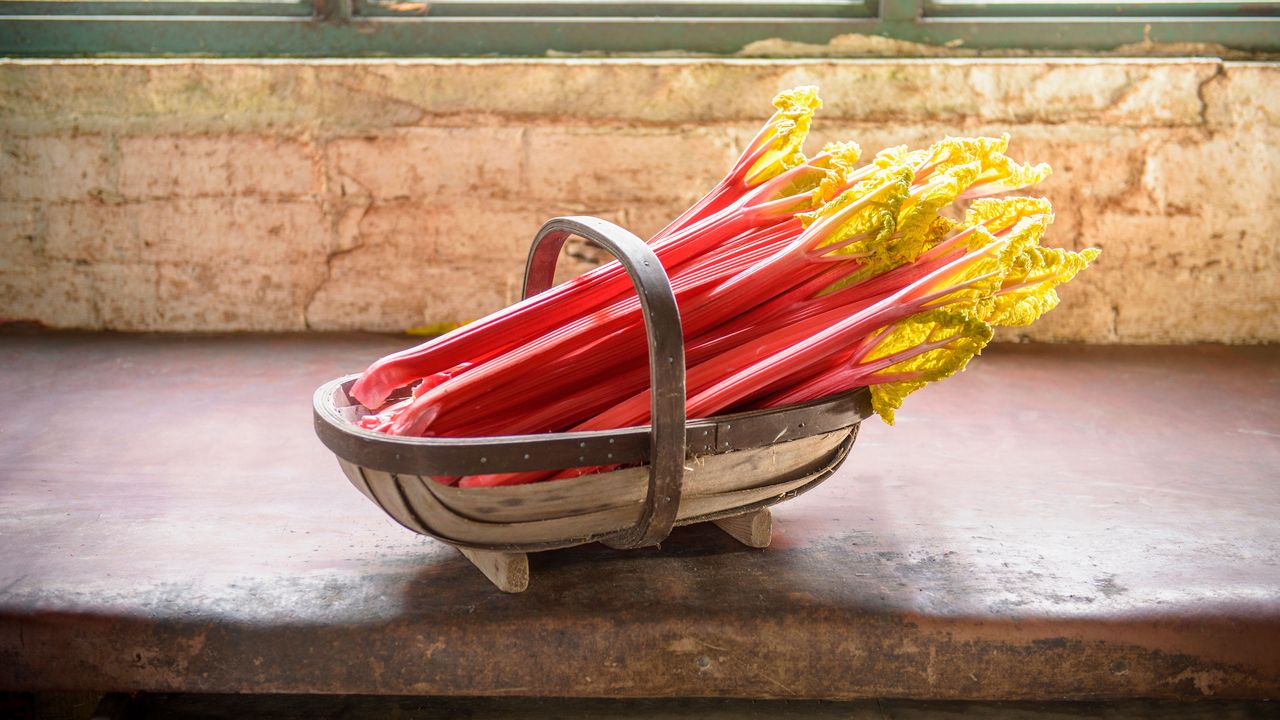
(666, 359)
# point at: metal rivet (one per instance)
(726, 427)
(609, 455)
(526, 456)
(484, 459)
(581, 458)
(582, 444)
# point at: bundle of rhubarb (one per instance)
(796, 277)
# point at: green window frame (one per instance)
(516, 28)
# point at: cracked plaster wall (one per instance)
(381, 195)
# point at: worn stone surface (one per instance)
(189, 195)
(1055, 522)
(77, 706)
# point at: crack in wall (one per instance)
(1219, 76)
(329, 258)
(346, 213)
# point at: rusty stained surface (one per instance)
(1057, 522)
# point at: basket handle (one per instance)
(666, 359)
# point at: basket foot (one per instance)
(754, 529)
(508, 571)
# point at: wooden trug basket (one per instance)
(726, 470)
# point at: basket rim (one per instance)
(550, 451)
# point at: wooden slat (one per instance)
(388, 492)
(458, 529)
(352, 471)
(709, 475)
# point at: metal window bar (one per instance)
(1098, 9)
(85, 9)
(531, 28)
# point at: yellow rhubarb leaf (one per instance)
(951, 151)
(858, 221)
(1029, 287)
(921, 208)
(940, 229)
(783, 134)
(923, 348)
(999, 213)
(887, 398)
(841, 164)
(975, 284)
(899, 155)
(1025, 234)
(1002, 174)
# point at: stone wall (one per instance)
(382, 195)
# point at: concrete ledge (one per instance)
(382, 195)
(1057, 522)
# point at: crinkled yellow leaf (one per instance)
(939, 230)
(800, 188)
(980, 237)
(976, 284)
(1004, 174)
(898, 253)
(951, 151)
(1025, 234)
(899, 155)
(862, 221)
(945, 342)
(841, 163)
(918, 226)
(999, 213)
(1029, 287)
(887, 398)
(785, 133)
(867, 213)
(921, 208)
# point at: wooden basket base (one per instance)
(509, 571)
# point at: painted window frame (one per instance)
(537, 28)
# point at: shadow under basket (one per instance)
(726, 469)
